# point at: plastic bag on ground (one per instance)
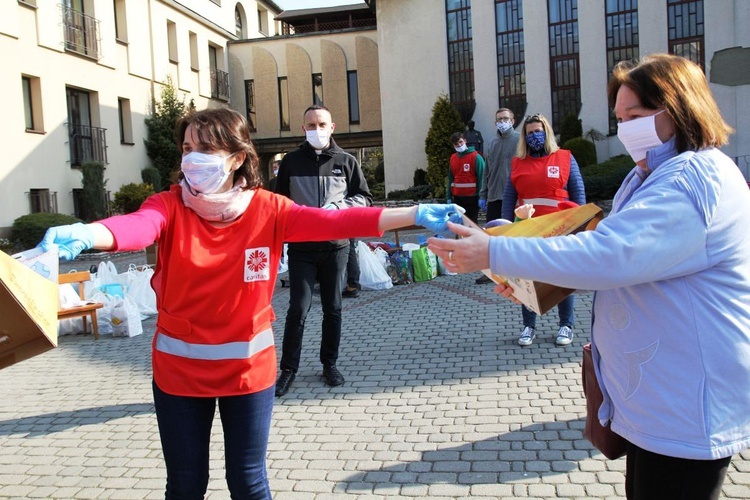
(372, 274)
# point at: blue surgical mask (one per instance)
(535, 140)
(205, 173)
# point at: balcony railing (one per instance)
(219, 84)
(328, 26)
(87, 144)
(81, 32)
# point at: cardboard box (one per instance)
(28, 312)
(537, 296)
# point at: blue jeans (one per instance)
(564, 310)
(185, 430)
(328, 267)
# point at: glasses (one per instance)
(504, 119)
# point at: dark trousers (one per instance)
(652, 476)
(494, 210)
(352, 266)
(470, 204)
(185, 431)
(305, 268)
(564, 310)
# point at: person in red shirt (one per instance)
(465, 176)
(220, 238)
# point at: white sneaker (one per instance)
(564, 336)
(527, 337)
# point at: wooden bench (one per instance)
(84, 310)
(405, 228)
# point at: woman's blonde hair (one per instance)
(680, 87)
(550, 144)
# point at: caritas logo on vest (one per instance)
(553, 172)
(467, 167)
(257, 264)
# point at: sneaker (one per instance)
(527, 336)
(332, 375)
(482, 280)
(350, 293)
(564, 336)
(284, 382)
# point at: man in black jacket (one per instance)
(317, 174)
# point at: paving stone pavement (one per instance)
(439, 402)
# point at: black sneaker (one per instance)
(350, 293)
(332, 375)
(482, 280)
(284, 382)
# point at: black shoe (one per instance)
(284, 382)
(482, 280)
(350, 293)
(332, 375)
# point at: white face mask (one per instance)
(318, 138)
(639, 136)
(503, 127)
(205, 173)
(461, 148)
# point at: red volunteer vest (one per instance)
(464, 174)
(541, 181)
(214, 288)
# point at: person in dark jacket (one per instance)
(318, 174)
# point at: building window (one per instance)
(172, 41)
(32, 103)
(262, 21)
(353, 88)
(81, 30)
(511, 59)
(193, 39)
(283, 104)
(565, 72)
(621, 20)
(317, 88)
(460, 56)
(41, 200)
(121, 23)
(219, 77)
(86, 142)
(28, 105)
(250, 104)
(686, 39)
(239, 22)
(126, 121)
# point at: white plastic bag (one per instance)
(372, 275)
(126, 320)
(284, 263)
(140, 291)
(104, 315)
(69, 298)
(382, 256)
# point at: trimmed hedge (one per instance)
(584, 151)
(28, 230)
(131, 196)
(602, 180)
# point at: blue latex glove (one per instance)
(497, 222)
(482, 204)
(435, 217)
(71, 240)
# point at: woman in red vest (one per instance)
(543, 175)
(220, 239)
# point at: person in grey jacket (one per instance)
(318, 174)
(670, 266)
(500, 152)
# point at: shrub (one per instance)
(412, 193)
(584, 151)
(28, 230)
(151, 175)
(94, 195)
(444, 122)
(570, 128)
(378, 191)
(131, 196)
(602, 180)
(420, 177)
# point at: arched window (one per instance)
(238, 22)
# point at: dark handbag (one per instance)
(611, 445)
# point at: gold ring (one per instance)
(450, 255)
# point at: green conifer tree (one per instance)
(445, 121)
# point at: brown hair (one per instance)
(225, 129)
(550, 144)
(457, 136)
(678, 85)
(510, 112)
